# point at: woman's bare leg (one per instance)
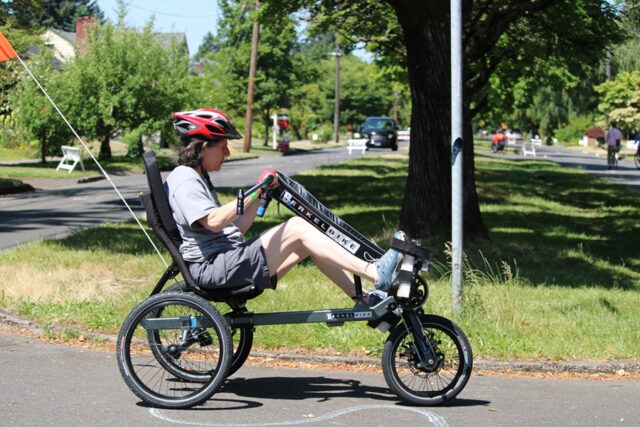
(342, 278)
(290, 242)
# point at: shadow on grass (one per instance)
(562, 226)
(123, 238)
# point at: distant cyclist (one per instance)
(613, 141)
(499, 140)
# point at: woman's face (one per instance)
(213, 155)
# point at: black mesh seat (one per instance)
(160, 219)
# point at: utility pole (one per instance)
(456, 154)
(336, 109)
(248, 121)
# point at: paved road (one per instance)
(55, 209)
(43, 384)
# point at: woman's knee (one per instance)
(298, 225)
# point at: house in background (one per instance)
(66, 44)
(63, 44)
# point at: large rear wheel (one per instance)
(174, 350)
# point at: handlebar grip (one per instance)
(267, 180)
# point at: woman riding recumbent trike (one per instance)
(175, 348)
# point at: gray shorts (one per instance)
(235, 268)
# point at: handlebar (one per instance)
(265, 197)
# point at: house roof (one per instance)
(595, 132)
(68, 36)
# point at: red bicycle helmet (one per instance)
(206, 123)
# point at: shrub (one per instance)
(575, 129)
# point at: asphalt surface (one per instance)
(54, 385)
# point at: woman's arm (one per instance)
(221, 217)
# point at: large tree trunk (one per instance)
(105, 147)
(426, 209)
(43, 146)
(474, 227)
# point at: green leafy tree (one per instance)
(22, 33)
(35, 117)
(19, 13)
(62, 14)
(125, 80)
(279, 66)
(37, 14)
(620, 101)
(22, 22)
(416, 33)
(363, 91)
(208, 45)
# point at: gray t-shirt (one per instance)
(191, 199)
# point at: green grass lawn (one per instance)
(560, 278)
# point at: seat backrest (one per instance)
(160, 216)
(159, 196)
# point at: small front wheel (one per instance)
(174, 350)
(442, 380)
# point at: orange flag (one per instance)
(6, 51)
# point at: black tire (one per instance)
(203, 348)
(427, 387)
(241, 337)
(637, 160)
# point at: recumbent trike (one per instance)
(176, 348)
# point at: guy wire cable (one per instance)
(104, 173)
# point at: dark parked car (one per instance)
(380, 132)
